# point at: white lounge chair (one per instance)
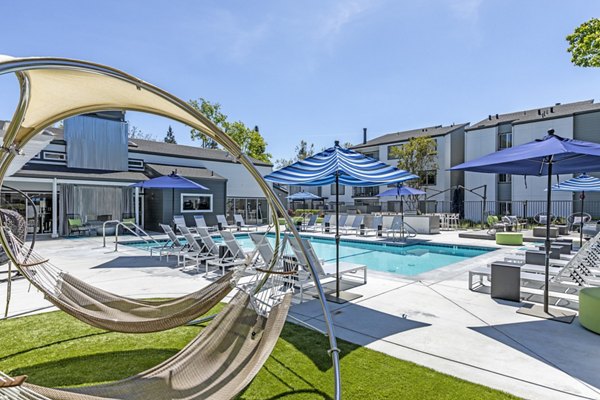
(354, 228)
(342, 222)
(311, 223)
(234, 257)
(374, 227)
(326, 270)
(241, 224)
(196, 252)
(326, 223)
(224, 224)
(172, 247)
(201, 223)
(179, 220)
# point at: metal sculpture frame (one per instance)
(18, 134)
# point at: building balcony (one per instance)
(365, 191)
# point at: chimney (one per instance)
(364, 135)
(490, 117)
(496, 116)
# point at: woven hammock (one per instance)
(109, 311)
(218, 364)
(13, 221)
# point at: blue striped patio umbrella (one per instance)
(583, 183)
(337, 165)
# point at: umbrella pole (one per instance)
(581, 222)
(547, 242)
(337, 236)
(402, 217)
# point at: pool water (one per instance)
(404, 260)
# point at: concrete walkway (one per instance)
(431, 319)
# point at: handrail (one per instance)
(126, 225)
(411, 231)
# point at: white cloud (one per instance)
(342, 14)
(465, 9)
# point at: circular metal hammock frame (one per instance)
(52, 89)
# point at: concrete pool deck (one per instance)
(431, 319)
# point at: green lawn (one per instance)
(54, 349)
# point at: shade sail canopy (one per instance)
(353, 169)
(56, 93)
(568, 156)
(301, 196)
(401, 191)
(172, 181)
(582, 183)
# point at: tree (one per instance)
(302, 150)
(170, 138)
(418, 156)
(213, 113)
(136, 133)
(250, 140)
(584, 44)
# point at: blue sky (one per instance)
(320, 70)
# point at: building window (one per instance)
(391, 151)
(429, 178)
(369, 191)
(136, 164)
(504, 178)
(54, 156)
(342, 190)
(191, 202)
(504, 140)
(372, 154)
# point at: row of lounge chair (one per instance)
(202, 250)
(222, 223)
(357, 227)
(569, 272)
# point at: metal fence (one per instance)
(474, 210)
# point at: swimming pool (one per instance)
(403, 260)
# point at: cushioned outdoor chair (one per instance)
(495, 225)
(511, 223)
(576, 221)
(541, 218)
(76, 225)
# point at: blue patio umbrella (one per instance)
(401, 191)
(172, 181)
(337, 165)
(303, 196)
(542, 157)
(583, 183)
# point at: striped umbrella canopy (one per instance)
(350, 167)
(340, 166)
(583, 183)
